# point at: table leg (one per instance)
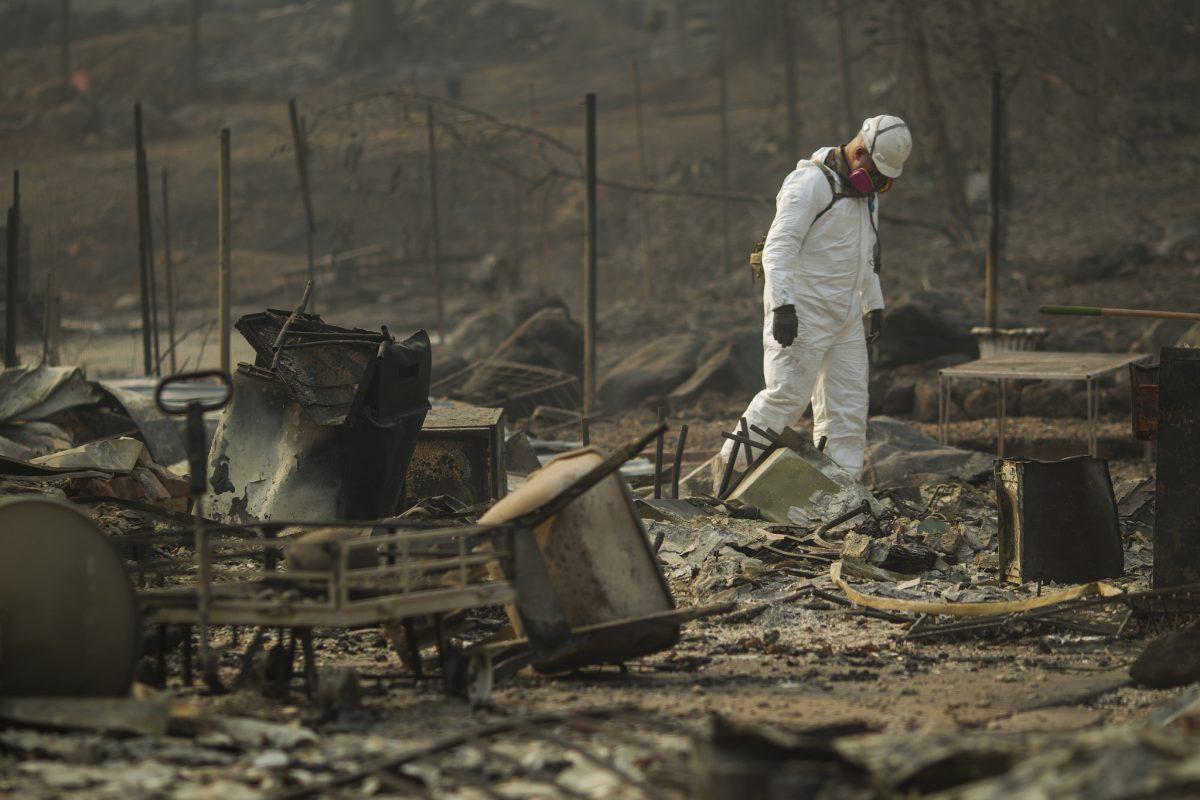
(1001, 414)
(1091, 417)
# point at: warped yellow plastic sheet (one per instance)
(1094, 589)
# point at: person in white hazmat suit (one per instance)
(822, 297)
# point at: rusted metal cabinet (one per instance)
(459, 452)
(1177, 516)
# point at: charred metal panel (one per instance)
(459, 452)
(1058, 520)
(1177, 520)
(327, 435)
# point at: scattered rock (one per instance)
(1114, 259)
(1162, 333)
(478, 334)
(900, 397)
(1181, 240)
(338, 691)
(981, 402)
(1190, 337)
(898, 455)
(1169, 661)
(550, 338)
(651, 371)
(270, 759)
(1052, 400)
(923, 325)
(941, 536)
(730, 367)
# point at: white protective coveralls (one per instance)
(824, 269)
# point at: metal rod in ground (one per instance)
(300, 145)
(658, 453)
(723, 105)
(12, 283)
(64, 29)
(435, 233)
(589, 263)
(677, 467)
(995, 178)
(745, 428)
(139, 155)
(226, 252)
(146, 217)
(50, 322)
(727, 475)
(644, 180)
(169, 270)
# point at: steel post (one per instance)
(589, 264)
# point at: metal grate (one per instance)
(390, 574)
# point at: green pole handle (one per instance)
(1072, 311)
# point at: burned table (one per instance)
(1034, 366)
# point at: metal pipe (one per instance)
(224, 276)
(139, 155)
(677, 467)
(146, 225)
(723, 91)
(291, 320)
(436, 242)
(169, 269)
(995, 178)
(589, 262)
(727, 475)
(300, 145)
(745, 428)
(658, 453)
(12, 283)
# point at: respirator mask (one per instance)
(862, 180)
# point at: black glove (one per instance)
(873, 321)
(784, 325)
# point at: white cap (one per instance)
(889, 143)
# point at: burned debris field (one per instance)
(599, 399)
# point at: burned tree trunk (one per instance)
(372, 25)
(932, 121)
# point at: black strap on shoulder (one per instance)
(835, 194)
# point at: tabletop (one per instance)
(1038, 365)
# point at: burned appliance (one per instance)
(459, 452)
(322, 425)
(1058, 520)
